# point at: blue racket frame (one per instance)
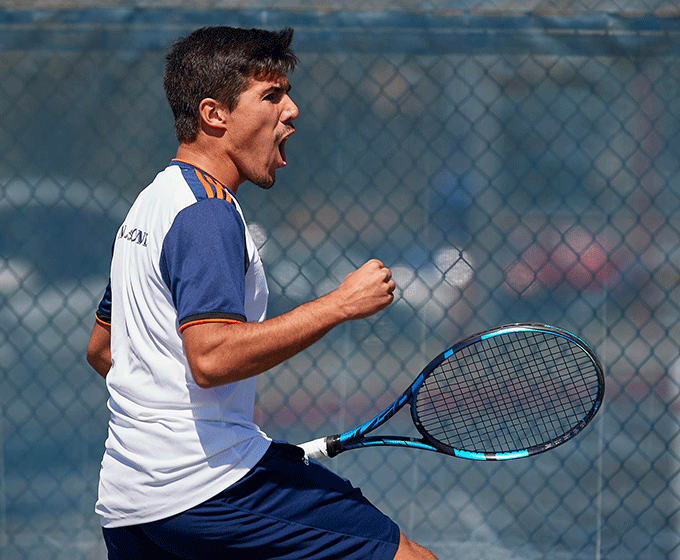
(357, 438)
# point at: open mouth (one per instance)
(282, 144)
(282, 150)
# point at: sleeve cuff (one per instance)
(104, 320)
(204, 318)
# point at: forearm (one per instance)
(223, 353)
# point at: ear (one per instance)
(213, 114)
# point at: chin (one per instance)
(264, 179)
(265, 182)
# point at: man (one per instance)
(181, 334)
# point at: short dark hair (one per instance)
(218, 62)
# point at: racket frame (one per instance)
(331, 446)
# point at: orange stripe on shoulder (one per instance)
(206, 185)
(222, 191)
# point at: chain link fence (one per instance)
(506, 166)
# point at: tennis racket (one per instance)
(509, 392)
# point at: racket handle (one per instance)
(315, 449)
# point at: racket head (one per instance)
(509, 392)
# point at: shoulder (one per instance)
(164, 197)
(210, 217)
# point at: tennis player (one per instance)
(180, 335)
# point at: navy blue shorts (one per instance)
(282, 509)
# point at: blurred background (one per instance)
(510, 160)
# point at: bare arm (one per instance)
(99, 348)
(220, 353)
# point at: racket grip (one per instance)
(315, 449)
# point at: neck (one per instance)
(211, 162)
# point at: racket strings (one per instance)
(507, 393)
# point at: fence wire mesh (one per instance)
(506, 167)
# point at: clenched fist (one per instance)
(365, 291)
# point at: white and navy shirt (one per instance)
(182, 256)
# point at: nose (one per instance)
(291, 111)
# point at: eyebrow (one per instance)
(277, 89)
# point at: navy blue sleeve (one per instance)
(203, 263)
(103, 313)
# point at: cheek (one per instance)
(247, 143)
(255, 133)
